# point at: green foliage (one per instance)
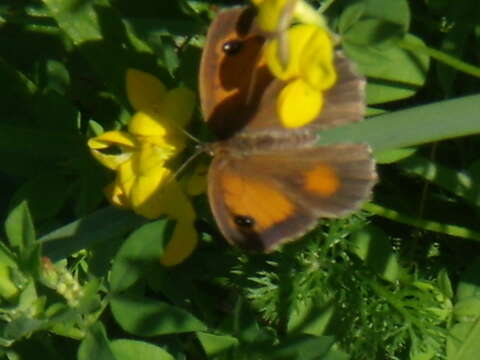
(374, 306)
(82, 280)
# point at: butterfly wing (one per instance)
(232, 74)
(344, 103)
(261, 201)
(266, 196)
(238, 91)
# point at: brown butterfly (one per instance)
(268, 184)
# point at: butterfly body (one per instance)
(263, 143)
(269, 184)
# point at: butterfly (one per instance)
(268, 184)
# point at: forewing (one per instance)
(343, 103)
(238, 92)
(232, 75)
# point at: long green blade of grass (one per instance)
(414, 126)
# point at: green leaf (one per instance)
(21, 89)
(19, 228)
(7, 257)
(23, 326)
(350, 16)
(142, 316)
(169, 56)
(57, 76)
(39, 188)
(125, 349)
(459, 182)
(141, 250)
(96, 29)
(445, 284)
(64, 118)
(309, 318)
(372, 32)
(372, 22)
(8, 288)
(392, 11)
(394, 155)
(52, 145)
(28, 298)
(303, 347)
(374, 248)
(336, 355)
(38, 144)
(462, 343)
(216, 344)
(103, 225)
(469, 285)
(467, 309)
(96, 345)
(94, 128)
(394, 73)
(152, 29)
(414, 126)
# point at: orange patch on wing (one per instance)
(256, 199)
(322, 180)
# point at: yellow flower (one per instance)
(143, 182)
(274, 15)
(301, 55)
(310, 71)
(197, 182)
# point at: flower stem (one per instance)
(308, 15)
(394, 215)
(324, 7)
(442, 57)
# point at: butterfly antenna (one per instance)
(253, 82)
(187, 134)
(283, 51)
(198, 150)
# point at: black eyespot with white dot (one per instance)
(232, 47)
(244, 221)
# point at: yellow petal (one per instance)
(181, 245)
(310, 56)
(177, 107)
(176, 203)
(297, 40)
(110, 138)
(126, 178)
(298, 104)
(116, 196)
(170, 117)
(145, 194)
(316, 62)
(149, 157)
(166, 199)
(274, 15)
(144, 91)
(123, 143)
(197, 182)
(143, 124)
(158, 130)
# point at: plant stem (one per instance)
(324, 7)
(442, 57)
(394, 215)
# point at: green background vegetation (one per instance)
(79, 279)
